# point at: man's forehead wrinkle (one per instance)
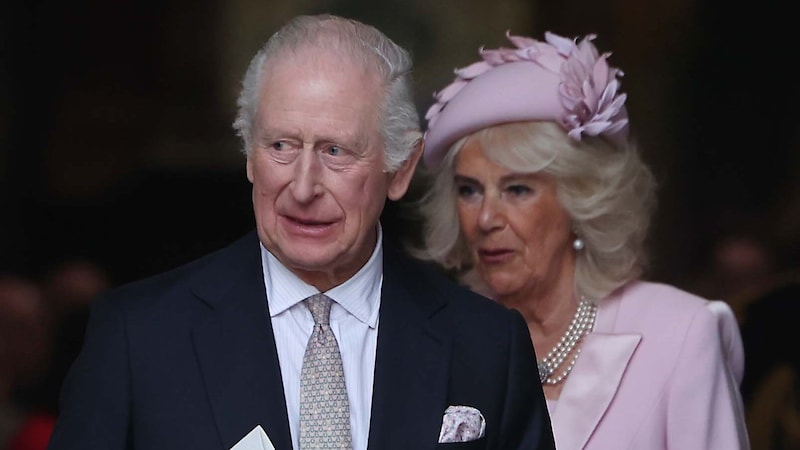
(317, 97)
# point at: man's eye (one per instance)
(519, 189)
(334, 150)
(280, 145)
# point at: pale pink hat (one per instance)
(558, 80)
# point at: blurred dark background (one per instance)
(116, 144)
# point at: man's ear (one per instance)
(400, 179)
(250, 169)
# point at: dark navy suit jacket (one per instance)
(187, 360)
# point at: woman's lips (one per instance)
(495, 256)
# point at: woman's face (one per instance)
(517, 231)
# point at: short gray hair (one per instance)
(360, 43)
(608, 192)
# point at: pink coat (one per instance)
(660, 370)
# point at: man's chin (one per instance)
(309, 260)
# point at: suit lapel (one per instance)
(411, 364)
(591, 386)
(236, 349)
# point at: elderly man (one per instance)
(309, 332)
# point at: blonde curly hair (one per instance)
(607, 191)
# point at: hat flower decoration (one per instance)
(588, 88)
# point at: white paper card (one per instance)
(256, 439)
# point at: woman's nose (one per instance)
(491, 214)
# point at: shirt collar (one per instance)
(359, 295)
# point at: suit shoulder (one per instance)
(660, 297)
(652, 305)
(458, 302)
(159, 286)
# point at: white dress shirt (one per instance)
(354, 322)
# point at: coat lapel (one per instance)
(411, 364)
(236, 349)
(591, 386)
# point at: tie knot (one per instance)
(320, 307)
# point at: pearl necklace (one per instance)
(581, 325)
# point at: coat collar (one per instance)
(590, 388)
(238, 357)
(235, 346)
(412, 360)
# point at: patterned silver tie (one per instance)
(324, 409)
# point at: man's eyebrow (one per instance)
(274, 133)
(348, 140)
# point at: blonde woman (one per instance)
(541, 201)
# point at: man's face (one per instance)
(317, 166)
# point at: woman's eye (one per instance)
(465, 190)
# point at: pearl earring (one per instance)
(578, 244)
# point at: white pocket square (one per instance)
(462, 424)
(256, 439)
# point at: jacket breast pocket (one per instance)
(477, 444)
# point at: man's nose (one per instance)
(307, 183)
